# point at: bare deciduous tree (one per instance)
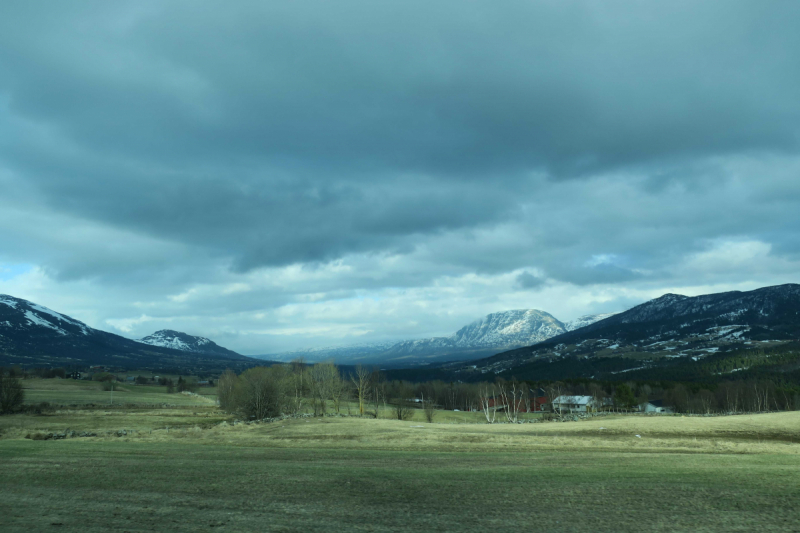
(361, 381)
(298, 385)
(598, 395)
(225, 390)
(488, 404)
(430, 409)
(379, 397)
(322, 377)
(553, 391)
(512, 396)
(402, 404)
(339, 390)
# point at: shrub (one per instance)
(11, 394)
(103, 376)
(260, 392)
(37, 408)
(403, 410)
(257, 393)
(188, 384)
(430, 410)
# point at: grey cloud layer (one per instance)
(190, 142)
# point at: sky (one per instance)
(287, 175)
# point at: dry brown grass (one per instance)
(762, 434)
(110, 419)
(765, 433)
(768, 433)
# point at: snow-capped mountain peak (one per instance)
(492, 333)
(177, 340)
(519, 326)
(167, 338)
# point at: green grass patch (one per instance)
(100, 486)
(79, 392)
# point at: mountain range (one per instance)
(483, 337)
(673, 335)
(33, 335)
(661, 333)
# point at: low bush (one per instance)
(37, 408)
(403, 410)
(11, 393)
(257, 393)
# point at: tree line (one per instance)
(265, 392)
(321, 388)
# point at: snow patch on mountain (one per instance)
(34, 319)
(10, 303)
(585, 320)
(59, 316)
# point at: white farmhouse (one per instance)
(575, 404)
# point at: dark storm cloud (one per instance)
(270, 134)
(526, 280)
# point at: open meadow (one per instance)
(205, 473)
(77, 392)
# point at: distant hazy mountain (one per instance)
(177, 340)
(485, 336)
(494, 331)
(33, 335)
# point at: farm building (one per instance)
(575, 404)
(538, 400)
(655, 406)
(535, 402)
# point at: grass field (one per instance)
(78, 392)
(180, 486)
(739, 473)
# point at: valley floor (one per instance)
(739, 473)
